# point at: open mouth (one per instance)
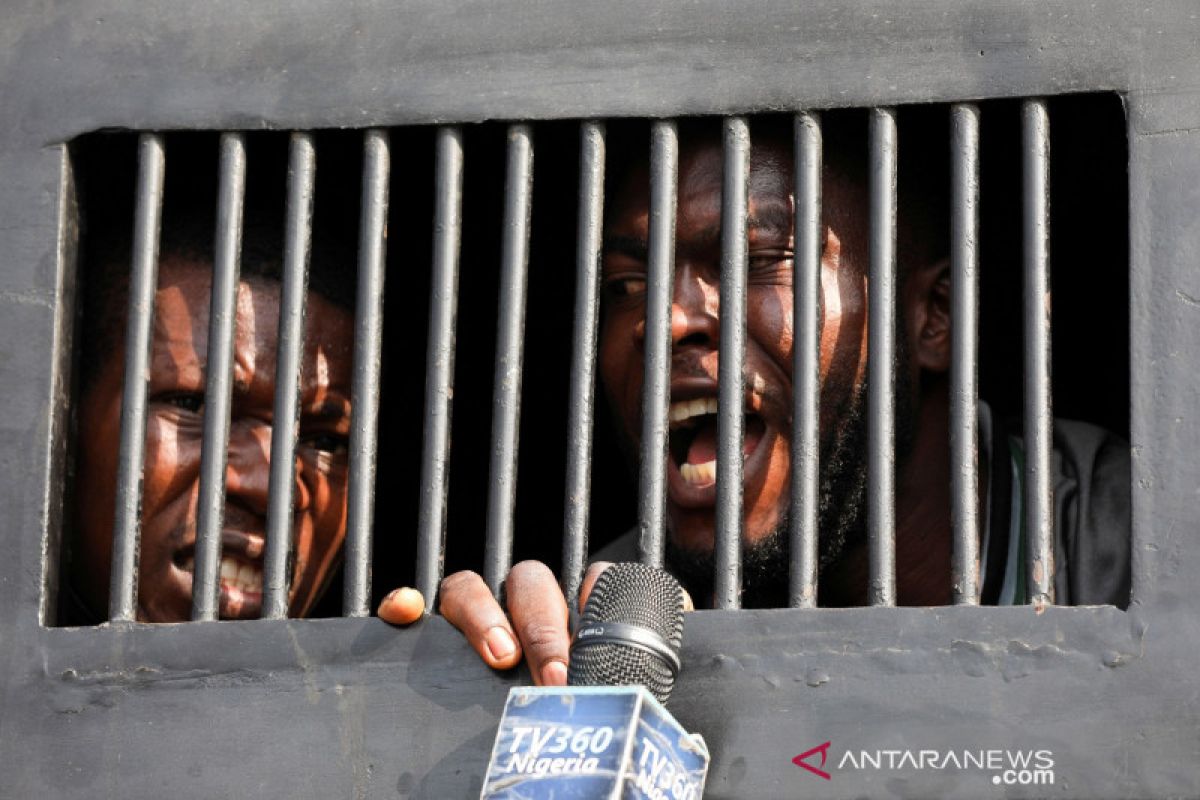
(693, 439)
(241, 583)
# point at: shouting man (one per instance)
(1091, 466)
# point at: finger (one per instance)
(539, 615)
(402, 606)
(467, 604)
(593, 572)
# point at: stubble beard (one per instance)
(841, 511)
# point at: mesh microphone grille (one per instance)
(633, 594)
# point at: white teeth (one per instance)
(241, 576)
(234, 574)
(699, 474)
(686, 409)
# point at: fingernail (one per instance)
(499, 643)
(554, 674)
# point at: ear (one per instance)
(928, 305)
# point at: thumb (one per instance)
(402, 606)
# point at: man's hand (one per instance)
(535, 626)
(402, 606)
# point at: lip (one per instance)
(234, 602)
(692, 388)
(686, 495)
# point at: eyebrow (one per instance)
(630, 246)
(771, 220)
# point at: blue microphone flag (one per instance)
(592, 742)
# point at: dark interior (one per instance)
(1089, 263)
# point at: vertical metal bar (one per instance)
(583, 356)
(439, 363)
(656, 383)
(364, 389)
(288, 369)
(727, 582)
(806, 369)
(964, 345)
(217, 394)
(510, 341)
(1039, 499)
(881, 354)
(127, 519)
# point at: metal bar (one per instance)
(1039, 497)
(656, 383)
(439, 364)
(288, 372)
(219, 367)
(881, 354)
(964, 346)
(727, 581)
(510, 342)
(806, 368)
(127, 518)
(583, 356)
(364, 389)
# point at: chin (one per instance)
(692, 541)
(698, 536)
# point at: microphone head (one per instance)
(630, 631)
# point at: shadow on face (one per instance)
(769, 332)
(174, 428)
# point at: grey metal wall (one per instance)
(332, 708)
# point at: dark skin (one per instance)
(536, 625)
(173, 435)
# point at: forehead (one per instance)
(182, 314)
(701, 168)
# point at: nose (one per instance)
(248, 471)
(695, 310)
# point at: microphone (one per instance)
(606, 734)
(630, 631)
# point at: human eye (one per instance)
(771, 265)
(191, 402)
(625, 260)
(620, 287)
(330, 442)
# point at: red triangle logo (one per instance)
(823, 749)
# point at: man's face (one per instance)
(173, 433)
(695, 331)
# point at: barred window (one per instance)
(504, 232)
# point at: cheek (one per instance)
(770, 325)
(620, 366)
(169, 488)
(172, 471)
(767, 503)
(162, 460)
(843, 323)
(321, 529)
(329, 503)
(608, 351)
